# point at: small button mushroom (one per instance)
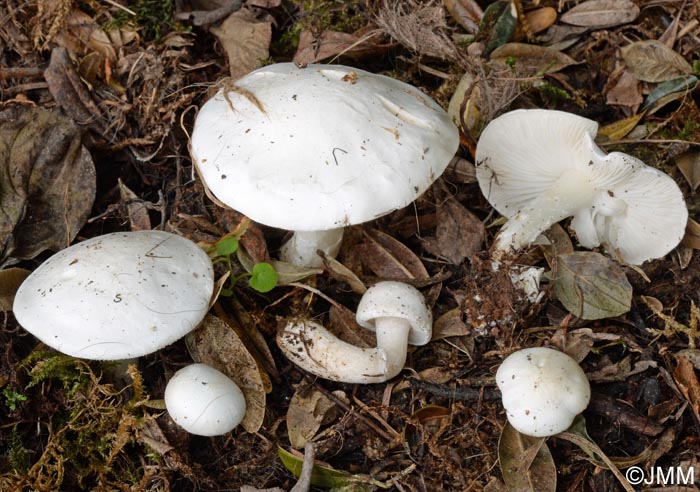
(538, 167)
(543, 390)
(395, 311)
(319, 148)
(117, 296)
(204, 401)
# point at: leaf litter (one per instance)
(118, 83)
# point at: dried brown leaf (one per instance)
(689, 165)
(591, 286)
(688, 383)
(10, 280)
(526, 463)
(217, 344)
(653, 61)
(692, 235)
(601, 13)
(342, 323)
(450, 324)
(138, 213)
(623, 90)
(308, 410)
(531, 59)
(246, 41)
(467, 13)
(47, 182)
(313, 49)
(539, 20)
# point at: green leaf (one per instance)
(665, 89)
(526, 463)
(591, 286)
(286, 272)
(503, 28)
(226, 246)
(320, 477)
(264, 277)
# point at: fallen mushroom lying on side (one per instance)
(319, 148)
(204, 401)
(117, 296)
(395, 311)
(537, 167)
(543, 390)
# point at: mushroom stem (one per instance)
(302, 246)
(570, 193)
(316, 350)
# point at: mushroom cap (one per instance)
(639, 212)
(320, 147)
(543, 390)
(391, 299)
(117, 296)
(204, 401)
(521, 154)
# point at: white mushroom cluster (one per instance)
(319, 148)
(395, 311)
(537, 167)
(543, 390)
(117, 296)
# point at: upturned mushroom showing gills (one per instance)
(319, 148)
(117, 296)
(543, 390)
(395, 311)
(204, 401)
(537, 167)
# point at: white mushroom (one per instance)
(318, 148)
(117, 296)
(395, 311)
(543, 390)
(537, 167)
(204, 401)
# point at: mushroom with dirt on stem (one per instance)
(204, 401)
(398, 314)
(537, 167)
(319, 148)
(543, 390)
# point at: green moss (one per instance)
(153, 18)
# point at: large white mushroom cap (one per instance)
(204, 401)
(117, 296)
(537, 167)
(321, 147)
(543, 390)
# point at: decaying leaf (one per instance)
(138, 213)
(47, 182)
(343, 324)
(619, 129)
(653, 61)
(10, 280)
(526, 463)
(591, 286)
(500, 18)
(689, 165)
(217, 344)
(669, 91)
(467, 13)
(692, 235)
(539, 20)
(308, 410)
(687, 381)
(623, 89)
(450, 324)
(246, 40)
(459, 234)
(601, 13)
(313, 49)
(531, 59)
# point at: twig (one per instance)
(20, 72)
(648, 140)
(202, 17)
(462, 394)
